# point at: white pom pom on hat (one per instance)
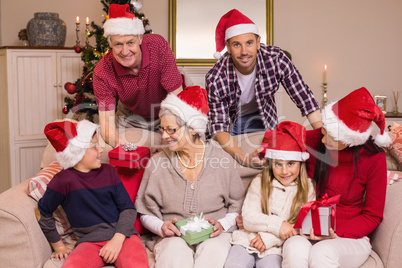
(233, 23)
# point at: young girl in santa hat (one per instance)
(273, 200)
(346, 161)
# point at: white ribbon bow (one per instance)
(195, 225)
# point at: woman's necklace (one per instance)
(196, 165)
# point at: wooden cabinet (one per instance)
(31, 95)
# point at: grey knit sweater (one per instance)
(166, 193)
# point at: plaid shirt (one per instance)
(273, 69)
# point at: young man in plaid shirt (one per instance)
(242, 84)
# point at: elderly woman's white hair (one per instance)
(191, 105)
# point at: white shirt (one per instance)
(248, 104)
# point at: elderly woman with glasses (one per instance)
(187, 178)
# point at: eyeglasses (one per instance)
(169, 131)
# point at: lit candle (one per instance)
(78, 20)
(325, 74)
(87, 23)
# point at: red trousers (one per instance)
(132, 254)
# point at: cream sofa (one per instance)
(22, 243)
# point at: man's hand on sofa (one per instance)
(60, 251)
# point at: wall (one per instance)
(13, 18)
(359, 40)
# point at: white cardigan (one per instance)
(267, 226)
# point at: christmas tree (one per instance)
(83, 104)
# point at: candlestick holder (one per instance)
(324, 97)
(77, 33)
(87, 34)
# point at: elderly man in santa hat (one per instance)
(242, 84)
(137, 74)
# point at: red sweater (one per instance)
(361, 206)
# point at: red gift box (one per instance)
(129, 159)
(319, 215)
(131, 166)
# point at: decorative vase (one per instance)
(46, 29)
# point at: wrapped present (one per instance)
(137, 158)
(194, 230)
(319, 215)
(130, 163)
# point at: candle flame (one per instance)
(87, 21)
(325, 67)
(78, 20)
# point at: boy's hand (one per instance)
(257, 243)
(218, 228)
(60, 251)
(169, 229)
(286, 230)
(111, 249)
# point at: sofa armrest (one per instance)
(22, 243)
(387, 238)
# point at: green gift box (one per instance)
(193, 237)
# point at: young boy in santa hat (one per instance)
(97, 205)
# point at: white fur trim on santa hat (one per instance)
(123, 26)
(193, 117)
(77, 146)
(286, 155)
(340, 131)
(239, 29)
(383, 140)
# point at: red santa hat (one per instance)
(232, 24)
(349, 119)
(191, 105)
(122, 22)
(286, 142)
(70, 139)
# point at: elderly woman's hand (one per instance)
(218, 228)
(169, 229)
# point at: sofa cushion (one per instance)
(395, 149)
(36, 189)
(393, 177)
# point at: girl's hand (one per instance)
(169, 229)
(110, 251)
(331, 235)
(218, 228)
(257, 243)
(286, 230)
(239, 221)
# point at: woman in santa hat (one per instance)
(189, 177)
(345, 161)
